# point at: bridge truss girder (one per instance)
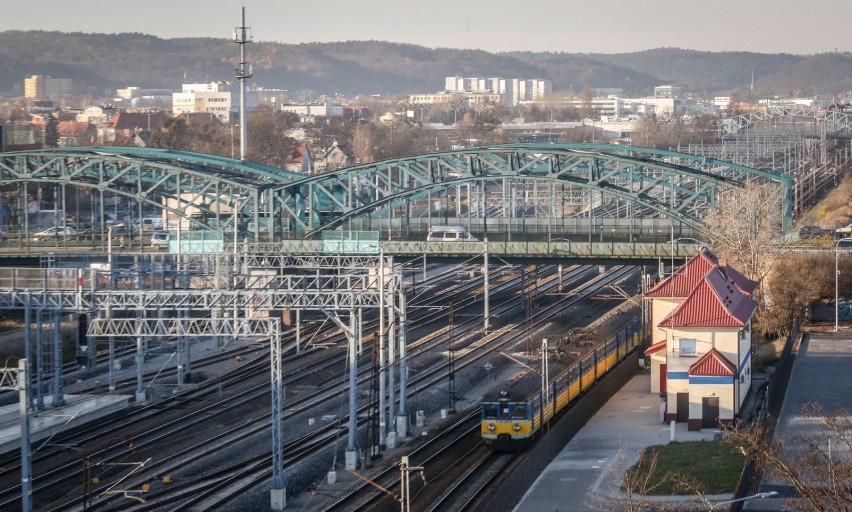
(676, 185)
(190, 186)
(200, 188)
(830, 122)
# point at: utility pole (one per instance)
(241, 73)
(405, 483)
(12, 379)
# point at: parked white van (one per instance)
(149, 223)
(449, 234)
(160, 238)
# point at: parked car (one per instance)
(54, 232)
(845, 230)
(810, 232)
(689, 241)
(844, 244)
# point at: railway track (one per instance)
(215, 485)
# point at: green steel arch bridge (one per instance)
(543, 190)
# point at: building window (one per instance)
(686, 348)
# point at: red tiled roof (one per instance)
(715, 302)
(713, 363)
(137, 120)
(73, 128)
(656, 347)
(685, 278)
(746, 285)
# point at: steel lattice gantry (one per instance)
(658, 182)
(829, 121)
(265, 284)
(208, 190)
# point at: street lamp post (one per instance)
(545, 377)
(759, 496)
(111, 348)
(836, 287)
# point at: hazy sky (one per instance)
(767, 26)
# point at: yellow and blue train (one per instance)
(513, 414)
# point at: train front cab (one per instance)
(507, 423)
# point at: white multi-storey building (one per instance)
(217, 98)
(515, 90)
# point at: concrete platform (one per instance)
(78, 410)
(587, 473)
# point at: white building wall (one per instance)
(660, 309)
(724, 392)
(657, 360)
(214, 97)
(744, 366)
(725, 341)
(454, 83)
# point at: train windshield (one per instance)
(489, 411)
(504, 411)
(519, 411)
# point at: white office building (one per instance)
(219, 98)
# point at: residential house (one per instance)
(335, 157)
(701, 361)
(76, 133)
(299, 160)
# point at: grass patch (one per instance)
(714, 466)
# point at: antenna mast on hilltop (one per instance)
(241, 73)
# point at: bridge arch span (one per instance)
(595, 181)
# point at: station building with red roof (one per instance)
(701, 352)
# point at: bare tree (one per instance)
(635, 489)
(816, 464)
(744, 228)
(586, 102)
(793, 284)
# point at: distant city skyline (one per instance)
(761, 26)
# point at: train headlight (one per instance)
(516, 427)
(491, 427)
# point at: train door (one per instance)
(710, 412)
(663, 378)
(682, 407)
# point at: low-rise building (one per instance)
(701, 356)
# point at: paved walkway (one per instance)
(820, 375)
(586, 473)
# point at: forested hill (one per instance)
(103, 62)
